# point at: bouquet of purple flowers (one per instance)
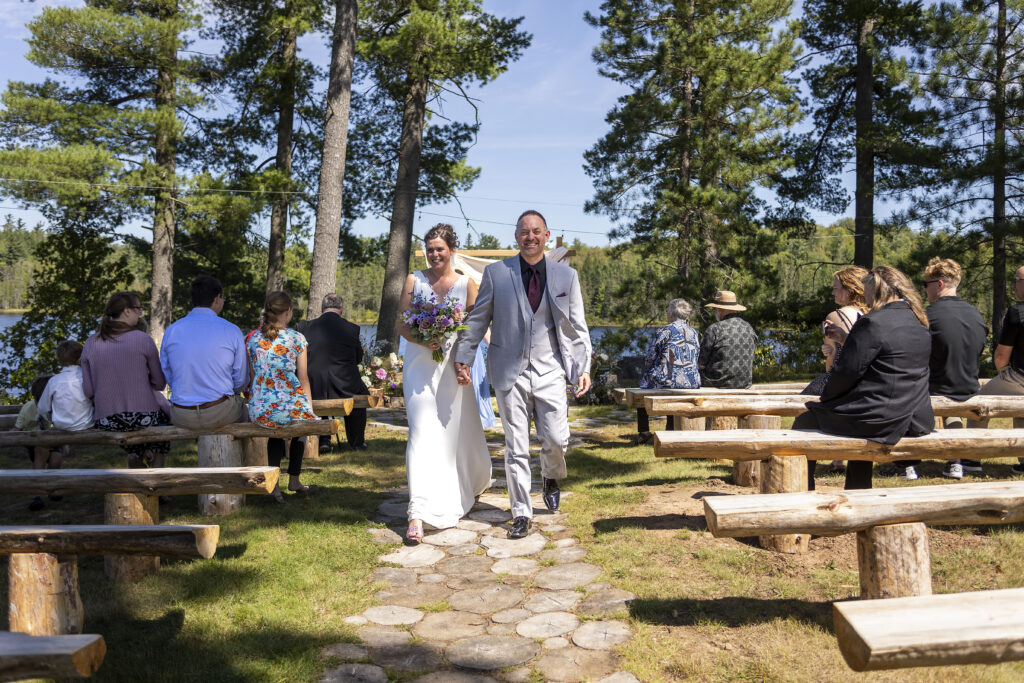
(431, 321)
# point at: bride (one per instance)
(446, 456)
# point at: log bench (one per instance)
(986, 627)
(633, 397)
(892, 538)
(131, 496)
(784, 453)
(75, 656)
(43, 566)
(231, 445)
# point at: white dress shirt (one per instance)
(63, 401)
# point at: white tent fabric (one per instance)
(473, 266)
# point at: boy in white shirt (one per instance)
(64, 404)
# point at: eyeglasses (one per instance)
(1017, 279)
(928, 282)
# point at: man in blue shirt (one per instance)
(203, 359)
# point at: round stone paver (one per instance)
(461, 582)
(552, 601)
(414, 556)
(565, 576)
(555, 528)
(510, 616)
(563, 555)
(394, 508)
(386, 536)
(393, 615)
(355, 673)
(356, 620)
(556, 643)
(502, 629)
(450, 537)
(501, 548)
(602, 635)
(416, 595)
(485, 653)
(469, 564)
(571, 664)
(486, 600)
(620, 677)
(433, 578)
(393, 576)
(448, 626)
(383, 636)
(565, 542)
(454, 677)
(406, 657)
(491, 515)
(606, 602)
(465, 549)
(494, 500)
(472, 525)
(547, 625)
(344, 651)
(516, 566)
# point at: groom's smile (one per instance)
(532, 235)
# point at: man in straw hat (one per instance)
(727, 349)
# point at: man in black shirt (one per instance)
(1009, 359)
(958, 334)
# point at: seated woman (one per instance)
(280, 385)
(848, 293)
(121, 374)
(671, 361)
(878, 389)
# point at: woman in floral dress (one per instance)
(280, 385)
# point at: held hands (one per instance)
(462, 374)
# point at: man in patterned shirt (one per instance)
(727, 349)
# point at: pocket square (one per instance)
(562, 294)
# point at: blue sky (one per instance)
(537, 120)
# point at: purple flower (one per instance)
(394, 385)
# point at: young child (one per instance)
(63, 401)
(28, 420)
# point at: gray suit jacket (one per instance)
(502, 305)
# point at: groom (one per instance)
(538, 339)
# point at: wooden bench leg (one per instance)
(312, 452)
(130, 508)
(43, 594)
(255, 452)
(894, 561)
(687, 424)
(785, 474)
(748, 473)
(220, 450)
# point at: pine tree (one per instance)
(108, 127)
(416, 50)
(975, 77)
(699, 131)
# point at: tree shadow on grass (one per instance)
(158, 650)
(669, 521)
(731, 611)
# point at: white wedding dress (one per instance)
(446, 457)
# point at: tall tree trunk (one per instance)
(283, 161)
(165, 153)
(864, 193)
(685, 233)
(999, 178)
(324, 275)
(402, 211)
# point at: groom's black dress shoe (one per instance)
(552, 494)
(520, 527)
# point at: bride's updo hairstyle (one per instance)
(442, 231)
(888, 284)
(278, 303)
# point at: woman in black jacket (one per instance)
(878, 389)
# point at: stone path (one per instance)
(469, 605)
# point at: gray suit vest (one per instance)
(543, 354)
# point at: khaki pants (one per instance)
(1008, 382)
(224, 413)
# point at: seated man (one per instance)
(727, 349)
(203, 359)
(333, 366)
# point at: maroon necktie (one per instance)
(533, 289)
